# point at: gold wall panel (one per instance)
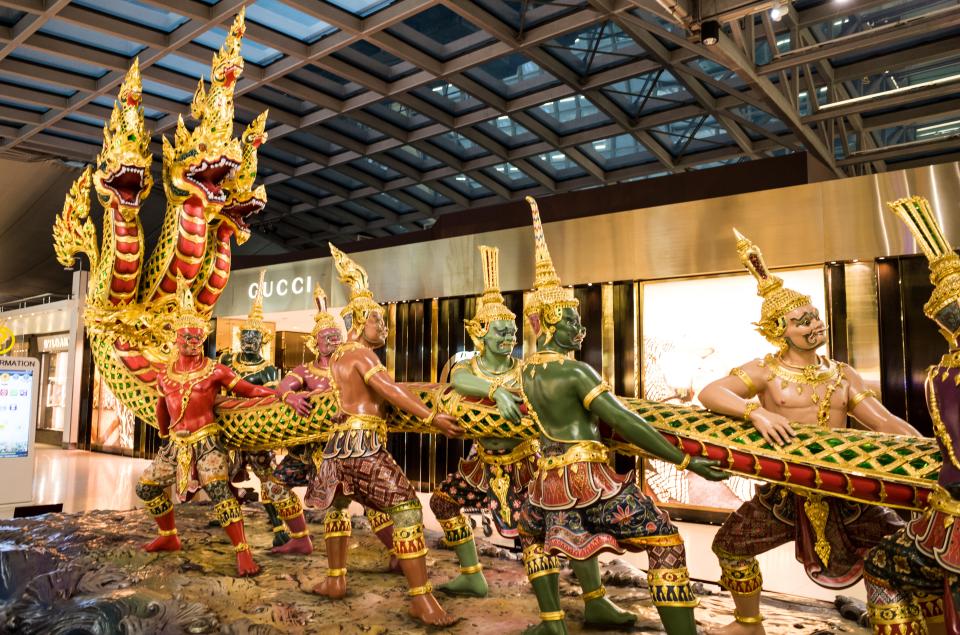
(839, 220)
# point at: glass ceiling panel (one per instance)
(324, 81)
(396, 229)
(621, 151)
(862, 19)
(287, 20)
(280, 155)
(441, 25)
(760, 118)
(450, 97)
(649, 93)
(362, 8)
(467, 186)
(107, 102)
(87, 119)
(88, 37)
(277, 99)
(892, 80)
(359, 210)
(9, 17)
(252, 51)
(507, 131)
(308, 188)
(315, 143)
(523, 14)
(599, 47)
(943, 127)
(341, 179)
(558, 166)
(136, 12)
(692, 135)
(36, 84)
(415, 157)
(428, 195)
(663, 23)
(718, 72)
(392, 203)
(569, 114)
(184, 65)
(376, 61)
(354, 129)
(23, 105)
(512, 75)
(458, 145)
(510, 175)
(69, 64)
(399, 114)
(375, 168)
(151, 87)
(717, 164)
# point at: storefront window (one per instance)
(112, 424)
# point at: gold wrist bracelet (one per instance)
(753, 405)
(430, 417)
(685, 463)
(494, 387)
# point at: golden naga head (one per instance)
(550, 298)
(73, 230)
(943, 307)
(322, 321)
(778, 301)
(243, 200)
(361, 303)
(490, 306)
(199, 161)
(123, 178)
(254, 321)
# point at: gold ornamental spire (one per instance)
(322, 321)
(777, 300)
(943, 307)
(187, 316)
(490, 306)
(254, 320)
(550, 297)
(361, 298)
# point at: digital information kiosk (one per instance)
(19, 384)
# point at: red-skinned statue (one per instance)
(356, 464)
(193, 455)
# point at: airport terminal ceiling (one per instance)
(385, 115)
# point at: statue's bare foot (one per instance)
(472, 585)
(604, 613)
(333, 587)
(426, 609)
(553, 627)
(163, 543)
(738, 628)
(246, 567)
(302, 546)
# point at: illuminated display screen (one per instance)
(16, 397)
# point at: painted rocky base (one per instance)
(86, 573)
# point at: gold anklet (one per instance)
(551, 616)
(278, 529)
(599, 592)
(300, 534)
(241, 546)
(420, 590)
(336, 573)
(477, 568)
(757, 619)
(167, 532)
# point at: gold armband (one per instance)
(164, 436)
(745, 378)
(233, 383)
(373, 371)
(859, 397)
(598, 390)
(753, 405)
(685, 463)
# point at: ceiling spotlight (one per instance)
(709, 33)
(780, 9)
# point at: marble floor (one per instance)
(86, 481)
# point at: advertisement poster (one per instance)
(15, 401)
(695, 331)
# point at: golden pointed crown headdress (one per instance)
(254, 321)
(187, 316)
(361, 298)
(490, 306)
(322, 321)
(550, 297)
(126, 141)
(777, 300)
(943, 307)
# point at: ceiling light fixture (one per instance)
(780, 9)
(895, 91)
(710, 33)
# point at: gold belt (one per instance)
(194, 437)
(526, 449)
(360, 422)
(941, 501)
(580, 452)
